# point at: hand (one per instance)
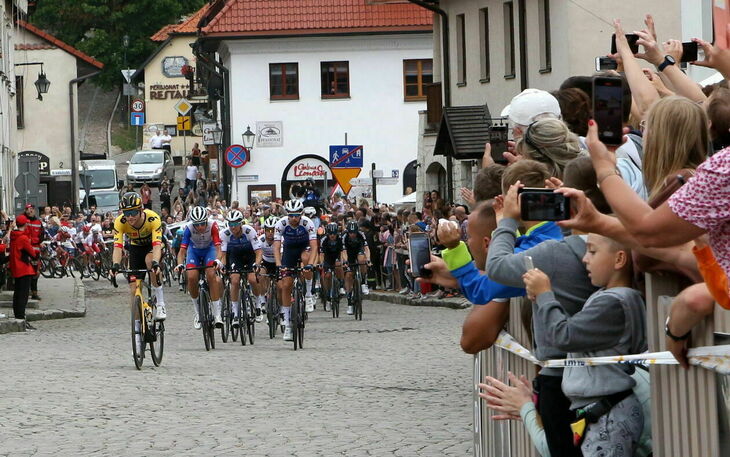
(115, 269)
(584, 216)
(448, 234)
(650, 26)
(487, 157)
(511, 156)
(468, 196)
(498, 207)
(536, 283)
(512, 202)
(622, 44)
(653, 52)
(180, 268)
(674, 49)
(553, 183)
(657, 82)
(440, 274)
(714, 56)
(155, 266)
(679, 351)
(507, 399)
(603, 159)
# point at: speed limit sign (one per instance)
(138, 106)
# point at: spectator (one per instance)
(34, 230)
(165, 197)
(156, 140)
(549, 141)
(22, 256)
(191, 177)
(195, 155)
(146, 193)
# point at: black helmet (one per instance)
(130, 201)
(332, 229)
(352, 226)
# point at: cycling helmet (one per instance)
(64, 229)
(332, 229)
(130, 201)
(310, 211)
(352, 226)
(294, 206)
(96, 229)
(234, 216)
(86, 228)
(270, 222)
(199, 214)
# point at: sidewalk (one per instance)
(395, 297)
(61, 298)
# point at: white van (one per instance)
(103, 176)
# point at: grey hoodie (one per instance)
(562, 261)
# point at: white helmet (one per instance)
(270, 222)
(294, 206)
(64, 229)
(234, 216)
(95, 229)
(199, 214)
(310, 211)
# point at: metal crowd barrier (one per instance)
(690, 408)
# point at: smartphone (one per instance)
(419, 253)
(528, 263)
(632, 38)
(498, 136)
(606, 63)
(608, 108)
(689, 51)
(543, 205)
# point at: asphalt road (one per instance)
(395, 383)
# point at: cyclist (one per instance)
(203, 235)
(311, 213)
(330, 249)
(294, 240)
(92, 242)
(356, 251)
(141, 227)
(268, 261)
(241, 250)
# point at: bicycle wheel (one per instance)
(204, 318)
(250, 316)
(137, 347)
(302, 317)
(157, 346)
(334, 298)
(211, 323)
(227, 316)
(243, 317)
(47, 268)
(356, 296)
(295, 321)
(94, 272)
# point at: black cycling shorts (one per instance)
(137, 256)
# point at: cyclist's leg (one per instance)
(363, 272)
(235, 287)
(157, 287)
(193, 260)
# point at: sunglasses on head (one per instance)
(133, 212)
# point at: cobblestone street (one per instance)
(394, 384)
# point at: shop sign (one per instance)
(270, 134)
(44, 163)
(308, 168)
(172, 91)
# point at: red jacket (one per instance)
(34, 229)
(20, 248)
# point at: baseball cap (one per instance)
(21, 220)
(526, 106)
(29, 205)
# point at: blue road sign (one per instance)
(236, 156)
(136, 118)
(346, 156)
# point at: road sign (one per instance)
(61, 172)
(387, 181)
(359, 182)
(183, 123)
(127, 73)
(343, 177)
(183, 107)
(346, 156)
(377, 173)
(237, 156)
(208, 138)
(136, 118)
(394, 173)
(137, 105)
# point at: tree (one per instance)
(97, 27)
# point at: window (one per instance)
(461, 50)
(416, 75)
(509, 40)
(545, 57)
(335, 79)
(19, 102)
(484, 43)
(284, 81)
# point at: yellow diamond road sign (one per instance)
(183, 107)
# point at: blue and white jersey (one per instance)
(201, 240)
(247, 243)
(295, 236)
(267, 249)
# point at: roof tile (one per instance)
(187, 26)
(60, 44)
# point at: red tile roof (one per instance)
(58, 43)
(186, 27)
(301, 17)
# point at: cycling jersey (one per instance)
(354, 245)
(331, 250)
(93, 239)
(299, 235)
(266, 249)
(149, 234)
(201, 240)
(177, 241)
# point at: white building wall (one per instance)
(375, 116)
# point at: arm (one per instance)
(277, 252)
(181, 254)
(681, 83)
(482, 326)
(642, 90)
(530, 417)
(312, 250)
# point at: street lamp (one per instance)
(248, 138)
(217, 135)
(42, 84)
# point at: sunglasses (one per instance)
(294, 214)
(199, 224)
(234, 224)
(132, 213)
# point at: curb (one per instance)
(79, 298)
(430, 302)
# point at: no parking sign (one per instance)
(237, 156)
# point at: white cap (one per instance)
(527, 106)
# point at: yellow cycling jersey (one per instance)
(150, 234)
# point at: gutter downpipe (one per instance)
(74, 161)
(446, 79)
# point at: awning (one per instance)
(463, 132)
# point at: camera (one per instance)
(498, 136)
(537, 204)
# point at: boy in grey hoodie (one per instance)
(612, 322)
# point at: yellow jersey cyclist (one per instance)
(142, 229)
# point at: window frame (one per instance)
(20, 101)
(510, 64)
(283, 96)
(335, 63)
(461, 50)
(484, 45)
(422, 96)
(546, 65)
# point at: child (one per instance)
(612, 322)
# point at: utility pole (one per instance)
(125, 45)
(375, 187)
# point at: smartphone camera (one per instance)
(632, 38)
(608, 108)
(606, 63)
(419, 251)
(690, 52)
(543, 205)
(498, 136)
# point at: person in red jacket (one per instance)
(21, 255)
(34, 230)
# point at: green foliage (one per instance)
(97, 27)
